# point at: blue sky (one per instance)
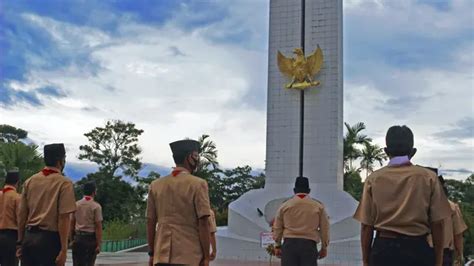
(201, 66)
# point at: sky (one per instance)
(181, 69)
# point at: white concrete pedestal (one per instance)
(241, 238)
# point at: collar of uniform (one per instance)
(399, 160)
(178, 170)
(52, 168)
(88, 198)
(301, 195)
(10, 187)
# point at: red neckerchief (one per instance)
(48, 171)
(301, 195)
(6, 189)
(88, 198)
(178, 171)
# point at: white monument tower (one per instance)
(304, 136)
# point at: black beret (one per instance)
(13, 174)
(302, 182)
(55, 150)
(184, 146)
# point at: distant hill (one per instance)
(76, 171)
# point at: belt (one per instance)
(84, 233)
(395, 235)
(8, 231)
(34, 228)
(37, 229)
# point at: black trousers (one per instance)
(299, 252)
(83, 250)
(401, 251)
(40, 248)
(8, 240)
(447, 257)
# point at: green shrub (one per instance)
(119, 230)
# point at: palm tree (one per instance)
(25, 158)
(370, 155)
(207, 153)
(353, 138)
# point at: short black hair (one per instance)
(399, 141)
(89, 188)
(12, 177)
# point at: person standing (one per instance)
(301, 222)
(453, 228)
(9, 207)
(178, 211)
(86, 228)
(47, 200)
(403, 203)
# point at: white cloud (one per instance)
(170, 97)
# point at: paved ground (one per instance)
(141, 259)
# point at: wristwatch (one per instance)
(151, 253)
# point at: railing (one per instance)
(117, 245)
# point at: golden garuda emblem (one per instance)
(301, 69)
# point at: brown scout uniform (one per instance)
(45, 196)
(177, 202)
(9, 207)
(87, 214)
(453, 225)
(302, 218)
(402, 200)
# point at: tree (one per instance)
(114, 147)
(207, 153)
(353, 183)
(353, 138)
(25, 158)
(11, 134)
(370, 155)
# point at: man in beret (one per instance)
(403, 203)
(9, 207)
(178, 212)
(47, 200)
(301, 222)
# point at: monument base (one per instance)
(249, 216)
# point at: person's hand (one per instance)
(323, 253)
(18, 252)
(212, 256)
(61, 258)
(278, 252)
(71, 244)
(204, 262)
(97, 249)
